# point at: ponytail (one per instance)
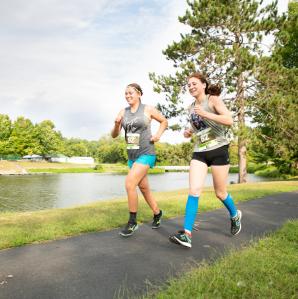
(213, 89)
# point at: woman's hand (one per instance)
(117, 124)
(199, 111)
(118, 120)
(187, 133)
(154, 138)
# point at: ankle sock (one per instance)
(132, 217)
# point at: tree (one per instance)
(276, 103)
(5, 127)
(112, 150)
(225, 43)
(75, 147)
(50, 141)
(287, 38)
(23, 139)
(5, 131)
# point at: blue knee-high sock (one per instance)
(229, 204)
(191, 211)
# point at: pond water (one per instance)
(47, 191)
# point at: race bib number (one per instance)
(206, 139)
(132, 140)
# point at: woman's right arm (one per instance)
(188, 131)
(117, 125)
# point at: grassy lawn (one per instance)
(46, 167)
(17, 229)
(265, 269)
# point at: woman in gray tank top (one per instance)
(136, 121)
(209, 119)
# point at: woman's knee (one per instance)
(130, 184)
(221, 194)
(194, 191)
(143, 188)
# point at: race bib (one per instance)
(132, 140)
(206, 139)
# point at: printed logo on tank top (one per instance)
(132, 138)
(205, 135)
(198, 122)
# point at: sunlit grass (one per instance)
(21, 228)
(266, 269)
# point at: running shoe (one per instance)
(157, 220)
(181, 238)
(236, 223)
(129, 229)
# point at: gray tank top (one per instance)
(137, 133)
(209, 134)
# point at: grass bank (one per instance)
(46, 167)
(17, 229)
(266, 269)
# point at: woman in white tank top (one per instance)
(209, 118)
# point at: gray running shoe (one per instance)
(129, 229)
(236, 223)
(181, 238)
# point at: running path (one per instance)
(105, 265)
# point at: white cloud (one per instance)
(70, 61)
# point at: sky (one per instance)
(70, 61)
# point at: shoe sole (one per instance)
(128, 235)
(240, 216)
(155, 227)
(177, 241)
(171, 238)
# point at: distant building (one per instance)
(75, 160)
(59, 158)
(32, 158)
(81, 160)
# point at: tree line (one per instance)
(225, 41)
(21, 137)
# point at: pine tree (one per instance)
(276, 102)
(224, 43)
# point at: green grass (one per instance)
(265, 269)
(64, 170)
(17, 229)
(273, 172)
(100, 168)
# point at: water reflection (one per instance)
(40, 191)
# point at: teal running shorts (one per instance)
(144, 159)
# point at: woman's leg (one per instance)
(197, 174)
(134, 177)
(157, 213)
(220, 175)
(145, 189)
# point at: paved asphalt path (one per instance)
(106, 265)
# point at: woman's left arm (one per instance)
(223, 117)
(156, 115)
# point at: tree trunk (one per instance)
(242, 177)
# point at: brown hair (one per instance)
(137, 87)
(212, 89)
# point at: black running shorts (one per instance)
(218, 156)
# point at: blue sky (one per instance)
(70, 60)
